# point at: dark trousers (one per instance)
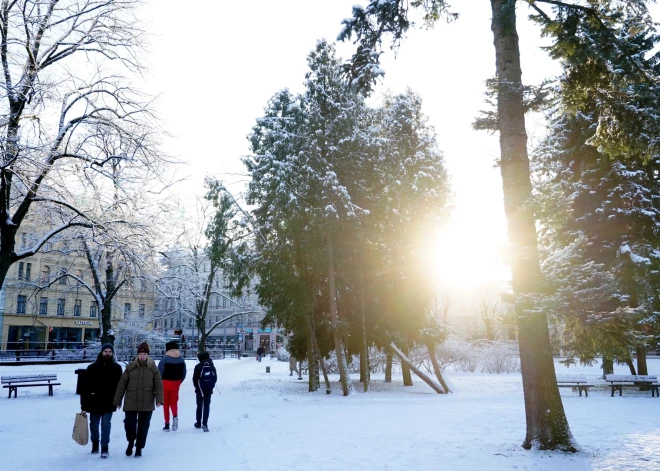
(203, 408)
(105, 420)
(136, 425)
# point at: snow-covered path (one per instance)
(269, 421)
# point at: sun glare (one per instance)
(467, 258)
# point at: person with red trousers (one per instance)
(172, 368)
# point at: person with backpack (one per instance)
(172, 368)
(204, 379)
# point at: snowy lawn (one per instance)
(264, 421)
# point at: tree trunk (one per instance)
(642, 368)
(344, 376)
(608, 366)
(547, 427)
(365, 369)
(388, 366)
(312, 356)
(106, 314)
(631, 365)
(436, 367)
(405, 369)
(418, 372)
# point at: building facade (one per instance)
(44, 309)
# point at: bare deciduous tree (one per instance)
(62, 98)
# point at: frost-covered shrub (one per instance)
(282, 354)
(499, 357)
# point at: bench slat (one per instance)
(571, 379)
(631, 378)
(27, 378)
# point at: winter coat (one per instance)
(260, 351)
(172, 366)
(293, 363)
(99, 385)
(142, 385)
(198, 372)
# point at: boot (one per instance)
(129, 450)
(175, 424)
(95, 448)
(104, 452)
(138, 452)
(205, 428)
(196, 425)
(166, 428)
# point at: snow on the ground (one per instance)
(263, 421)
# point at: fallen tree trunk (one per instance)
(436, 387)
(434, 361)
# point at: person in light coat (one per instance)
(293, 365)
(142, 385)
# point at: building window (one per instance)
(224, 302)
(45, 273)
(20, 270)
(127, 310)
(156, 324)
(28, 271)
(62, 275)
(93, 309)
(178, 323)
(171, 322)
(60, 307)
(141, 311)
(20, 304)
(143, 285)
(217, 302)
(43, 306)
(77, 308)
(23, 239)
(48, 247)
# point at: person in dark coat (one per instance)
(260, 353)
(143, 385)
(172, 368)
(100, 383)
(202, 394)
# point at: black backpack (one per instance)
(207, 377)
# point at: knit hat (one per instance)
(203, 356)
(143, 348)
(108, 345)
(171, 345)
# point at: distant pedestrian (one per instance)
(143, 385)
(99, 386)
(172, 368)
(260, 353)
(204, 378)
(293, 365)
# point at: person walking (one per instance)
(142, 384)
(293, 365)
(172, 369)
(100, 383)
(204, 379)
(260, 353)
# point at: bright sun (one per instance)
(468, 257)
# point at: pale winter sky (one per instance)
(215, 67)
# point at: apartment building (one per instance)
(45, 309)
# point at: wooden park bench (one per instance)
(578, 382)
(15, 382)
(618, 382)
